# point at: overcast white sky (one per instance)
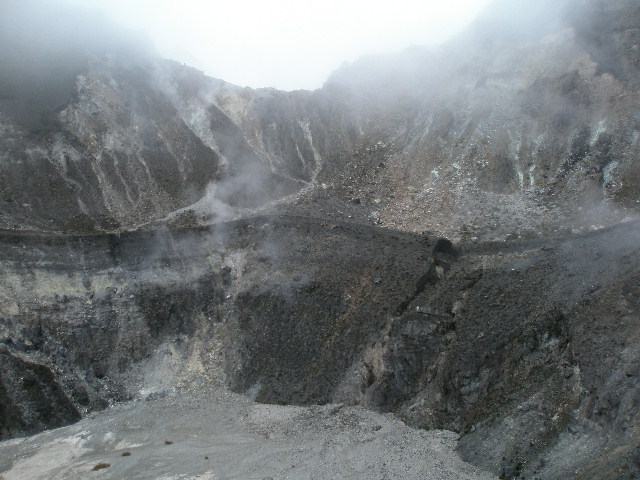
(287, 44)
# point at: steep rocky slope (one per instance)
(528, 349)
(508, 129)
(521, 126)
(164, 233)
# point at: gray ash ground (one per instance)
(217, 435)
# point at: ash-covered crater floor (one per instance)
(209, 435)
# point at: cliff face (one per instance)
(99, 134)
(530, 115)
(507, 130)
(527, 349)
(135, 264)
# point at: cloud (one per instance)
(286, 44)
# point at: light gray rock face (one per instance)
(501, 132)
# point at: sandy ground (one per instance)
(218, 435)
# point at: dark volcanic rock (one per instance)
(135, 262)
(30, 397)
(287, 302)
(506, 343)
